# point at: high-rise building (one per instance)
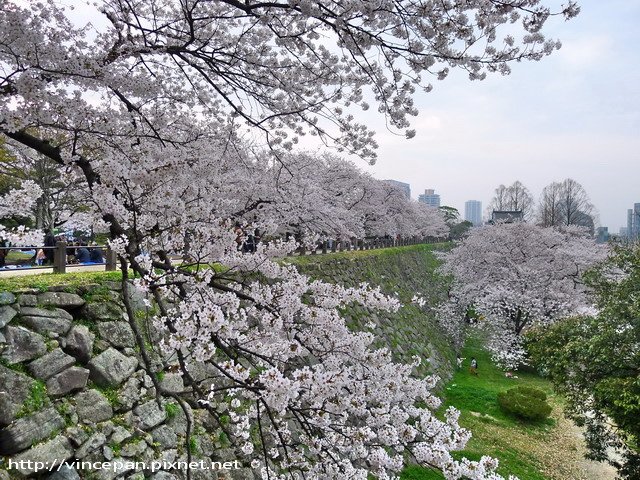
(602, 235)
(633, 223)
(473, 212)
(405, 187)
(430, 198)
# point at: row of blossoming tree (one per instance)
(158, 106)
(315, 196)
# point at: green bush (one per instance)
(525, 402)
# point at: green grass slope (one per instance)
(547, 450)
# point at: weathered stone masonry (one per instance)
(73, 385)
(73, 388)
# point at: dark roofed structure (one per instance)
(506, 216)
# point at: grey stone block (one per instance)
(45, 325)
(28, 300)
(118, 334)
(59, 449)
(133, 449)
(14, 390)
(102, 311)
(7, 298)
(22, 345)
(93, 407)
(94, 442)
(172, 382)
(74, 378)
(119, 435)
(27, 431)
(76, 435)
(6, 315)
(79, 343)
(65, 300)
(149, 415)
(50, 364)
(111, 368)
(165, 437)
(45, 312)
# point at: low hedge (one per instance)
(526, 403)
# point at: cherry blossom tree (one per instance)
(20, 200)
(517, 276)
(161, 107)
(64, 191)
(260, 64)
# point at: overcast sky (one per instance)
(575, 114)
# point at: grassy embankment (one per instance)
(548, 450)
(46, 280)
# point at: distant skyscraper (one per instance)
(430, 198)
(633, 223)
(473, 212)
(405, 187)
(602, 235)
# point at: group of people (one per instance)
(246, 240)
(473, 366)
(77, 252)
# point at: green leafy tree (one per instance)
(451, 214)
(595, 362)
(459, 230)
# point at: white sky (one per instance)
(575, 114)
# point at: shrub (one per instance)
(525, 402)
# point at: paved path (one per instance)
(38, 271)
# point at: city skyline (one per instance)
(563, 117)
(630, 225)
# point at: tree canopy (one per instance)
(595, 361)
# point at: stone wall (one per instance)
(73, 386)
(402, 272)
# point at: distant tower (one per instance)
(473, 212)
(430, 198)
(633, 223)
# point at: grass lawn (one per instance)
(45, 280)
(531, 451)
(354, 254)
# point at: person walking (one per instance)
(49, 241)
(459, 361)
(40, 257)
(474, 367)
